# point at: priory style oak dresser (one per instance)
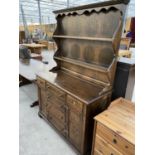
(80, 86)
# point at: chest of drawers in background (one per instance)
(114, 129)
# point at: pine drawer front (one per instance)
(115, 140)
(74, 104)
(51, 89)
(41, 83)
(96, 152)
(103, 147)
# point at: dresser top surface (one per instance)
(81, 89)
(120, 118)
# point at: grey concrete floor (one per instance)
(35, 135)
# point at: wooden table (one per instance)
(28, 70)
(124, 53)
(35, 48)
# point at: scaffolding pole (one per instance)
(24, 23)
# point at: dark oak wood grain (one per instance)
(80, 85)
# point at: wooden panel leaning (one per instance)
(80, 86)
(114, 129)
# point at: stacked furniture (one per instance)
(80, 86)
(114, 129)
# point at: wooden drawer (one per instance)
(96, 152)
(41, 83)
(103, 147)
(74, 104)
(51, 89)
(115, 140)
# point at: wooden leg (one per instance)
(39, 115)
(23, 81)
(35, 103)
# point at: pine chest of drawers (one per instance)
(114, 129)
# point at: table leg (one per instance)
(35, 103)
(23, 81)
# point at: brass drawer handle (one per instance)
(114, 141)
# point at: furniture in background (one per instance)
(124, 79)
(21, 36)
(35, 48)
(125, 53)
(43, 42)
(36, 56)
(124, 48)
(52, 46)
(125, 43)
(25, 53)
(114, 129)
(80, 86)
(130, 30)
(28, 68)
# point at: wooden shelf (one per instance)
(83, 38)
(83, 64)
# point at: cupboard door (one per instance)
(75, 129)
(57, 116)
(42, 101)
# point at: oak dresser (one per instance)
(80, 86)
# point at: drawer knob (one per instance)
(114, 141)
(111, 154)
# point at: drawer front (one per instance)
(74, 104)
(115, 140)
(51, 89)
(41, 83)
(103, 147)
(96, 152)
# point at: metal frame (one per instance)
(40, 11)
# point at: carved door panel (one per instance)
(75, 128)
(42, 101)
(57, 116)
